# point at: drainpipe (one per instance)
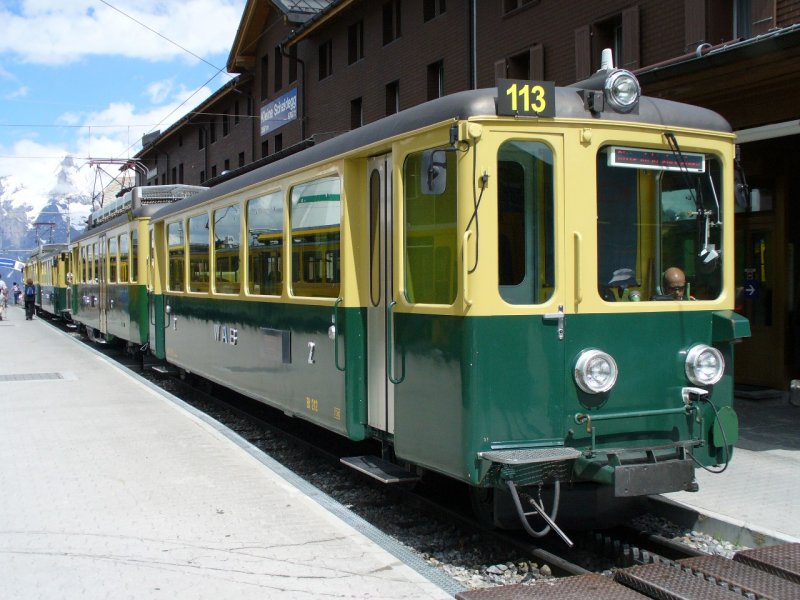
(473, 45)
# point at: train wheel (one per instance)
(482, 502)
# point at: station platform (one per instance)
(110, 486)
(113, 488)
(756, 501)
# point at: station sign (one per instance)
(279, 112)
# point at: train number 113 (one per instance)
(521, 98)
(533, 98)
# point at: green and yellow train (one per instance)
(476, 282)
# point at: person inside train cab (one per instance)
(675, 283)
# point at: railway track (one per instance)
(606, 564)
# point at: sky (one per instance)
(88, 78)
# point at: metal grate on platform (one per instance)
(31, 377)
(666, 582)
(782, 560)
(739, 575)
(580, 587)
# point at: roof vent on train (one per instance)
(610, 89)
(137, 196)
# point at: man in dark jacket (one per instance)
(30, 299)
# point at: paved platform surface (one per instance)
(110, 488)
(760, 490)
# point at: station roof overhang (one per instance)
(737, 79)
(242, 57)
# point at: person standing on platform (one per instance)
(16, 291)
(30, 299)
(3, 298)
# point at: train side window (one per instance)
(227, 236)
(176, 252)
(124, 276)
(198, 253)
(430, 242)
(95, 263)
(134, 255)
(525, 222)
(265, 246)
(316, 226)
(112, 260)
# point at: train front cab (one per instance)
(531, 340)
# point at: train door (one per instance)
(760, 359)
(149, 266)
(102, 284)
(379, 389)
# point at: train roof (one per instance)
(459, 106)
(47, 250)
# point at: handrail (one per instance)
(465, 267)
(390, 347)
(336, 334)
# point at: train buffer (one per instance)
(379, 469)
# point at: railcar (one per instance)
(477, 283)
(110, 258)
(49, 268)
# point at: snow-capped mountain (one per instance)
(28, 219)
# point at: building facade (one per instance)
(309, 69)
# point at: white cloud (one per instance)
(158, 91)
(20, 92)
(57, 32)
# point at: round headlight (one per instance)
(622, 90)
(595, 371)
(704, 365)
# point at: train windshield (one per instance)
(659, 225)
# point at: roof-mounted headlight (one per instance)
(704, 365)
(622, 90)
(595, 371)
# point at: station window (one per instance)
(123, 258)
(198, 253)
(316, 225)
(265, 248)
(176, 253)
(430, 228)
(227, 237)
(525, 222)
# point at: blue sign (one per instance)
(10, 263)
(279, 112)
(750, 289)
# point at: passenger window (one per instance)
(123, 258)
(525, 222)
(430, 228)
(198, 254)
(265, 249)
(95, 261)
(227, 226)
(316, 225)
(112, 260)
(176, 256)
(134, 256)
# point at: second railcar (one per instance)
(110, 258)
